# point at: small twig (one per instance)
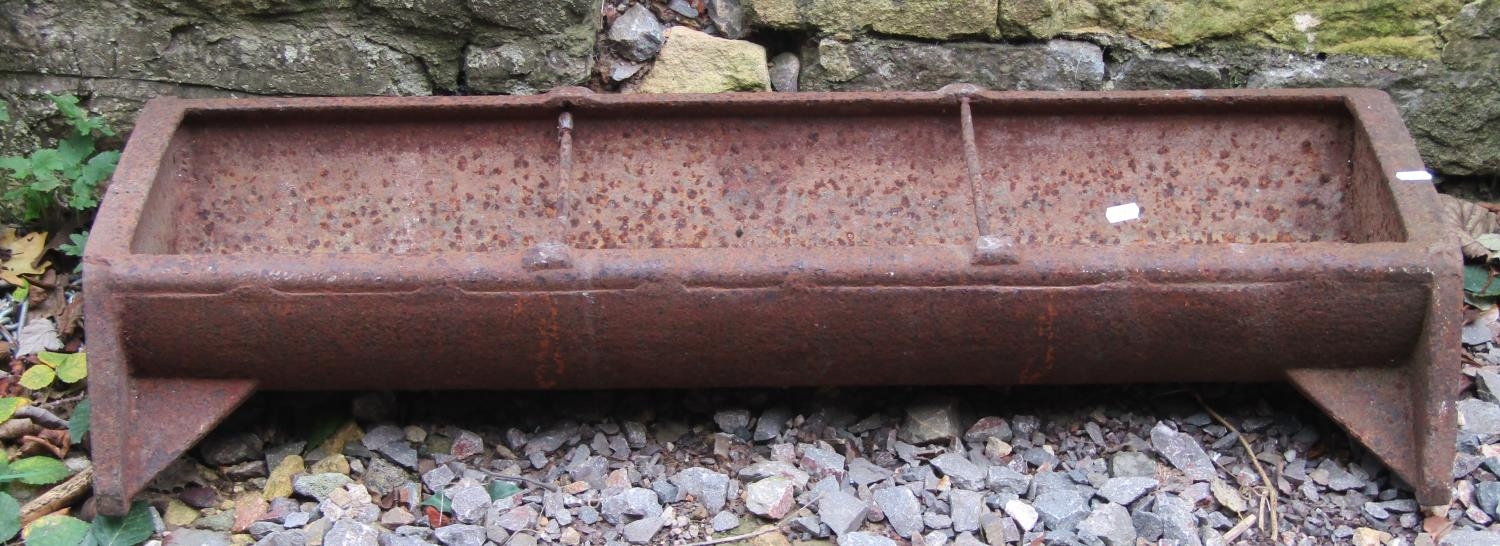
(61, 401)
(736, 538)
(762, 529)
(54, 499)
(522, 479)
(1265, 478)
(21, 320)
(1239, 529)
(42, 417)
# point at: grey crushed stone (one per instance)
(1183, 451)
(862, 538)
(1126, 489)
(1110, 523)
(460, 535)
(901, 508)
(841, 512)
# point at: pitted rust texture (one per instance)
(405, 188)
(707, 182)
(1250, 178)
(956, 237)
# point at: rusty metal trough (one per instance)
(572, 240)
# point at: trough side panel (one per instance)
(1200, 177)
(769, 181)
(1372, 207)
(668, 336)
(359, 185)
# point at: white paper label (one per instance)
(1414, 176)
(1122, 213)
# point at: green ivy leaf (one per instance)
(38, 377)
(99, 168)
(75, 149)
(19, 167)
(440, 502)
(56, 530)
(130, 530)
(10, 517)
(8, 407)
(501, 489)
(48, 160)
(82, 197)
(71, 367)
(22, 291)
(78, 423)
(75, 245)
(37, 470)
(67, 104)
(45, 181)
(79, 118)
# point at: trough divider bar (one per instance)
(971, 163)
(564, 172)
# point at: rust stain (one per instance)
(549, 348)
(1032, 373)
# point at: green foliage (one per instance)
(1481, 288)
(501, 489)
(69, 367)
(78, 423)
(38, 377)
(10, 517)
(22, 291)
(34, 471)
(56, 530)
(1479, 283)
(325, 425)
(67, 176)
(8, 407)
(80, 119)
(75, 244)
(440, 502)
(130, 530)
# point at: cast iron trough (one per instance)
(957, 237)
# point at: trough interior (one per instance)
(277, 182)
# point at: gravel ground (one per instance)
(868, 467)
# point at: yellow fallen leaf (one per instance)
(25, 251)
(71, 367)
(9, 405)
(38, 377)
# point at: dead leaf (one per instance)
(69, 319)
(24, 252)
(16, 428)
(34, 445)
(1467, 221)
(52, 303)
(37, 336)
(435, 518)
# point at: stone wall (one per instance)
(1440, 59)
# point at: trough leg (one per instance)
(1406, 415)
(141, 425)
